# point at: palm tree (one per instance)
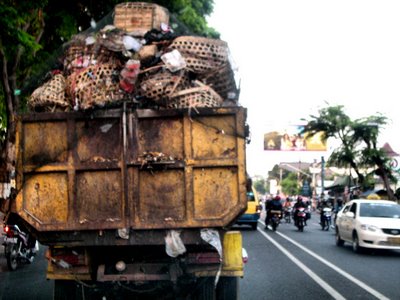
(358, 148)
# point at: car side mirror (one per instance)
(350, 214)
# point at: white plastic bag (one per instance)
(173, 243)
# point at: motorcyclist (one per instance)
(274, 204)
(287, 205)
(299, 203)
(323, 205)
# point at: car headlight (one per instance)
(368, 227)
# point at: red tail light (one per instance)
(6, 229)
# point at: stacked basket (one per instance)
(95, 66)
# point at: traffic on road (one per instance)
(282, 264)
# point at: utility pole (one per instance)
(322, 176)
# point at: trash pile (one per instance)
(139, 59)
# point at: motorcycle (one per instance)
(301, 218)
(19, 247)
(275, 219)
(326, 220)
(288, 214)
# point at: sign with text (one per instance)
(291, 138)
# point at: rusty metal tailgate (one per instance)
(143, 169)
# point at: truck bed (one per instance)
(131, 168)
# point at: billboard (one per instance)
(292, 139)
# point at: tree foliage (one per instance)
(290, 185)
(358, 142)
(260, 186)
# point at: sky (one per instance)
(295, 57)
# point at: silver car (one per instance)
(369, 224)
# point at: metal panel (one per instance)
(89, 174)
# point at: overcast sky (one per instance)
(294, 56)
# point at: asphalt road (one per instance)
(289, 264)
(286, 264)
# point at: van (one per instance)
(253, 211)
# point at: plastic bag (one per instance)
(173, 243)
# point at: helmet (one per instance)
(299, 199)
(277, 198)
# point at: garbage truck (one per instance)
(135, 200)
(131, 169)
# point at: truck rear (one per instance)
(135, 201)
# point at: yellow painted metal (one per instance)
(87, 172)
(232, 251)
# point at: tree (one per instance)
(260, 186)
(290, 185)
(32, 31)
(358, 148)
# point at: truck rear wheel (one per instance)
(67, 289)
(205, 289)
(228, 288)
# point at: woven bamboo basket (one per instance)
(138, 18)
(222, 80)
(202, 55)
(159, 83)
(50, 96)
(80, 56)
(96, 85)
(200, 95)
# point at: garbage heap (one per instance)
(139, 59)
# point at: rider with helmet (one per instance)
(274, 204)
(299, 203)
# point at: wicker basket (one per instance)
(140, 17)
(96, 85)
(78, 57)
(202, 55)
(158, 84)
(222, 81)
(200, 95)
(50, 96)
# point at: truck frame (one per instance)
(136, 201)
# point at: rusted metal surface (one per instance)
(81, 171)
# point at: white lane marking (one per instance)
(337, 269)
(335, 294)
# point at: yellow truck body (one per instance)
(91, 171)
(103, 189)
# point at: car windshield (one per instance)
(380, 210)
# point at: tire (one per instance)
(12, 257)
(300, 225)
(328, 224)
(67, 289)
(228, 288)
(339, 241)
(254, 226)
(355, 244)
(205, 289)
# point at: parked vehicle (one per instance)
(19, 247)
(253, 211)
(326, 218)
(373, 224)
(301, 218)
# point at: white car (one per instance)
(369, 224)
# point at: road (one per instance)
(286, 264)
(289, 264)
